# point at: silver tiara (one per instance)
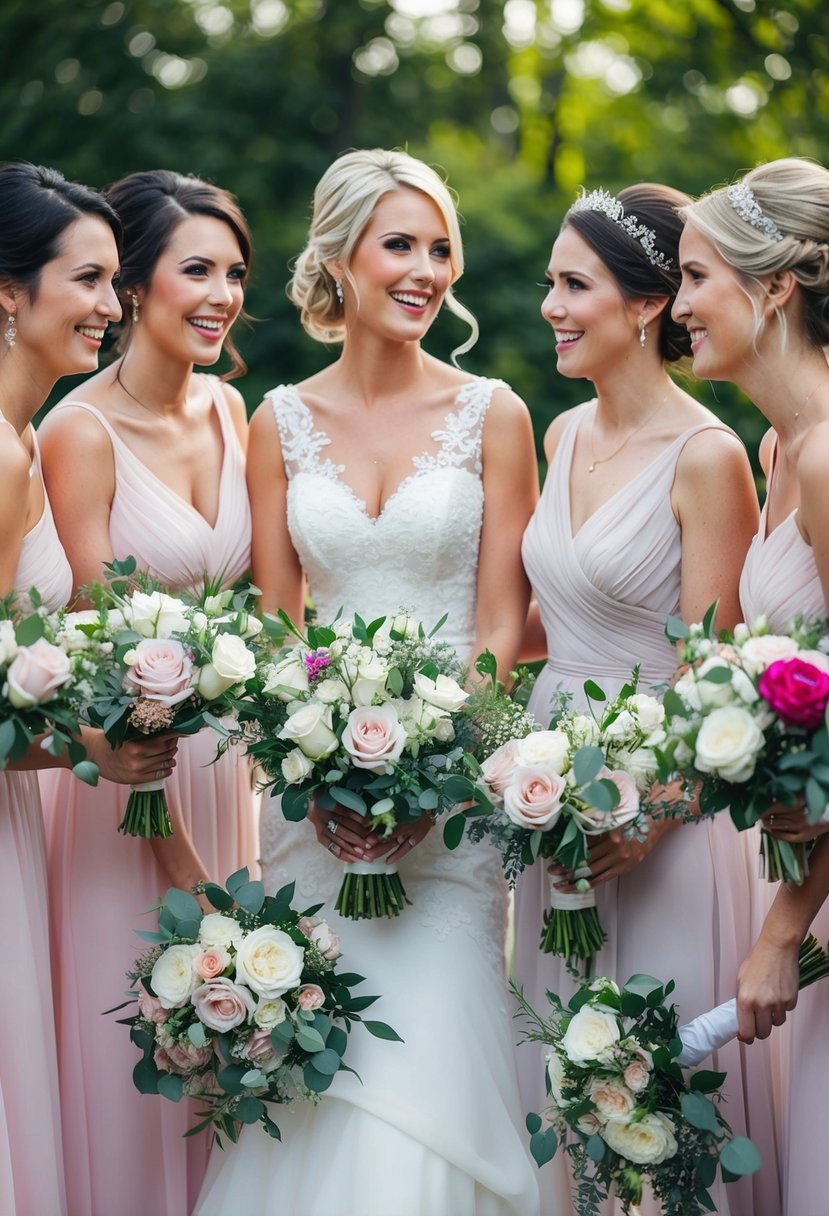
(600, 200)
(741, 198)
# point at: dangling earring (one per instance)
(11, 330)
(136, 310)
(338, 287)
(643, 336)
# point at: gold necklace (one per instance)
(604, 459)
(807, 399)
(148, 408)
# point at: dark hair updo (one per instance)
(655, 207)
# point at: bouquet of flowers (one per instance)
(173, 664)
(371, 717)
(621, 1106)
(45, 681)
(242, 1007)
(747, 721)
(545, 793)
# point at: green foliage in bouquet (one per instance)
(271, 1023)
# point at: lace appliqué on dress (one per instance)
(462, 435)
(301, 443)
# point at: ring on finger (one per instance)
(332, 846)
(771, 821)
(332, 826)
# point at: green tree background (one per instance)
(518, 102)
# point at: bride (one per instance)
(391, 479)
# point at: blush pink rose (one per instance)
(36, 673)
(322, 935)
(221, 1004)
(798, 692)
(626, 809)
(150, 1007)
(162, 671)
(212, 963)
(310, 997)
(260, 1051)
(636, 1076)
(182, 1057)
(498, 768)
(533, 797)
(373, 737)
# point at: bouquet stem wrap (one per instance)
(707, 1033)
(146, 814)
(371, 889)
(572, 928)
(781, 861)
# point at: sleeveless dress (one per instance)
(31, 1157)
(118, 1142)
(780, 579)
(435, 1128)
(682, 913)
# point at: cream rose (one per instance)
(8, 643)
(285, 679)
(36, 673)
(162, 671)
(444, 692)
(230, 663)
(760, 652)
(583, 731)
(728, 744)
(70, 636)
(548, 747)
(623, 727)
(369, 682)
(612, 1099)
(374, 737)
(591, 1035)
(174, 975)
(701, 693)
(331, 691)
(221, 1004)
(219, 930)
(309, 727)
(636, 1076)
(296, 767)
(649, 713)
(268, 1014)
(156, 615)
(269, 962)
(648, 1141)
(498, 768)
(533, 797)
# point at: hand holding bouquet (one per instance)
(747, 721)
(237, 1008)
(174, 664)
(370, 717)
(622, 1108)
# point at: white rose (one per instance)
(728, 744)
(648, 1141)
(444, 692)
(591, 1035)
(444, 730)
(649, 713)
(555, 1072)
(548, 747)
(8, 643)
(286, 678)
(705, 694)
(817, 659)
(269, 962)
(268, 1014)
(231, 663)
(760, 653)
(174, 977)
(310, 729)
(405, 625)
(330, 691)
(622, 727)
(296, 767)
(583, 730)
(639, 763)
(419, 719)
(214, 605)
(156, 614)
(70, 636)
(219, 930)
(369, 682)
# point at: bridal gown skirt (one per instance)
(434, 1126)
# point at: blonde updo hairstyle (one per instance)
(344, 202)
(794, 195)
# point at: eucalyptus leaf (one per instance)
(700, 1112)
(171, 1086)
(740, 1157)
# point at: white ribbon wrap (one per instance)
(380, 866)
(707, 1032)
(571, 901)
(147, 787)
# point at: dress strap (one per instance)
(461, 437)
(301, 442)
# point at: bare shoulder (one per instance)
(71, 428)
(813, 458)
(766, 449)
(555, 430)
(263, 420)
(710, 454)
(235, 403)
(15, 461)
(506, 409)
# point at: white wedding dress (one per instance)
(434, 1127)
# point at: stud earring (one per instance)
(643, 336)
(11, 330)
(338, 287)
(136, 310)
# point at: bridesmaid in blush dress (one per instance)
(163, 453)
(648, 509)
(755, 298)
(58, 254)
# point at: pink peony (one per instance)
(373, 737)
(36, 673)
(310, 997)
(798, 692)
(162, 671)
(221, 1004)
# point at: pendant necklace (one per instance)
(594, 460)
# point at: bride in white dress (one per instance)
(393, 479)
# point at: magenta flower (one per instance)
(796, 691)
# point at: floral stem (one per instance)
(146, 815)
(371, 896)
(572, 934)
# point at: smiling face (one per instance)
(713, 305)
(196, 291)
(594, 323)
(62, 324)
(400, 270)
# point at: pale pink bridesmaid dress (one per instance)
(683, 912)
(780, 580)
(31, 1156)
(124, 1151)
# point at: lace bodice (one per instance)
(421, 552)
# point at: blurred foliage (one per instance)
(518, 102)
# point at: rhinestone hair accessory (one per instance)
(609, 205)
(741, 198)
